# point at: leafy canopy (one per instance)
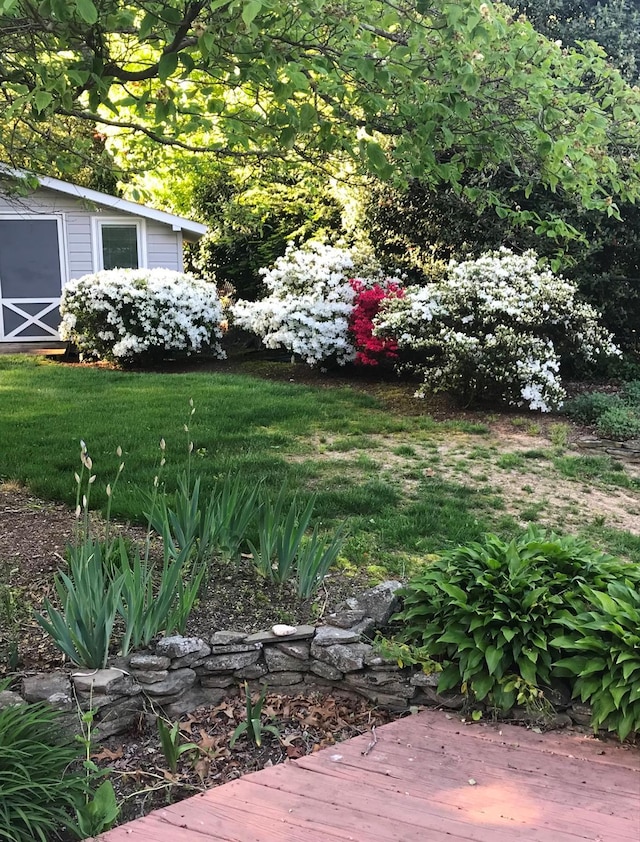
(407, 89)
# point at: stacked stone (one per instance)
(179, 674)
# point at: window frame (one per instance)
(100, 222)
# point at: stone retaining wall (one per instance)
(178, 674)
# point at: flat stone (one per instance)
(252, 672)
(374, 683)
(8, 699)
(117, 717)
(38, 688)
(376, 661)
(150, 676)
(231, 662)
(326, 671)
(177, 646)
(379, 603)
(218, 681)
(298, 649)
(580, 714)
(344, 657)
(176, 682)
(330, 635)
(278, 661)
(61, 701)
(423, 679)
(282, 679)
(365, 628)
(96, 681)
(302, 633)
(345, 618)
(192, 659)
(232, 648)
(144, 661)
(224, 638)
(449, 701)
(193, 698)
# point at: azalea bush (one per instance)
(134, 315)
(309, 302)
(370, 348)
(497, 327)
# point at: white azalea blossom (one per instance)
(308, 303)
(126, 314)
(495, 327)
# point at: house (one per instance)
(62, 231)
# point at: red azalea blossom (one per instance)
(370, 349)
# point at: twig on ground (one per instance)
(372, 743)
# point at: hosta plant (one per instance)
(605, 661)
(488, 611)
(495, 328)
(136, 315)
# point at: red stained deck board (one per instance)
(413, 786)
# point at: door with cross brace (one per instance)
(31, 269)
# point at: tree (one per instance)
(429, 90)
(614, 24)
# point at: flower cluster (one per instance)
(496, 327)
(309, 302)
(127, 315)
(371, 349)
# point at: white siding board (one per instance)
(163, 249)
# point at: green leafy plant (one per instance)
(280, 536)
(252, 725)
(172, 748)
(100, 809)
(406, 655)
(39, 791)
(230, 513)
(315, 556)
(606, 665)
(587, 408)
(630, 393)
(487, 610)
(619, 422)
(89, 598)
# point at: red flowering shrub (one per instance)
(370, 349)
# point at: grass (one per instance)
(242, 425)
(383, 473)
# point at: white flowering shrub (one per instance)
(132, 315)
(496, 327)
(308, 303)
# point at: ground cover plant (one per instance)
(40, 794)
(614, 415)
(489, 614)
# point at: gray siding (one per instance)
(164, 246)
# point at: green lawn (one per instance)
(243, 425)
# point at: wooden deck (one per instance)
(429, 778)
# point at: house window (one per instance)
(119, 244)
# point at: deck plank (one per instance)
(414, 785)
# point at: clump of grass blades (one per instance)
(39, 793)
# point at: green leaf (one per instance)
(250, 11)
(378, 160)
(493, 656)
(167, 66)
(87, 10)
(42, 99)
